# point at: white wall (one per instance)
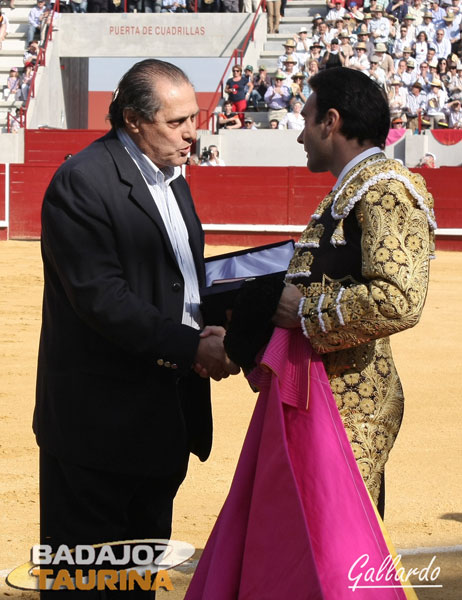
(155, 35)
(266, 148)
(12, 147)
(47, 108)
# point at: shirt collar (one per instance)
(355, 161)
(152, 174)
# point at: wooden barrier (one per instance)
(281, 198)
(3, 229)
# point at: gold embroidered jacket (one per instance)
(362, 265)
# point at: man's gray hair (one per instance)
(137, 90)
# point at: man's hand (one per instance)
(286, 315)
(211, 359)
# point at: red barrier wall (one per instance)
(239, 195)
(50, 146)
(3, 230)
(27, 187)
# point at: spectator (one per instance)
(359, 60)
(289, 69)
(442, 44)
(12, 84)
(302, 45)
(4, 27)
(36, 15)
(427, 26)
(80, 6)
(365, 37)
(402, 42)
(324, 36)
(312, 69)
(398, 123)
(424, 77)
(274, 124)
(236, 90)
(212, 158)
(442, 68)
(345, 49)
(436, 100)
(332, 57)
(428, 161)
(25, 81)
(339, 28)
(173, 6)
(250, 6)
(261, 83)
(454, 114)
(376, 72)
(316, 52)
(277, 98)
(455, 84)
(379, 26)
(294, 119)
(249, 124)
(385, 60)
(317, 20)
(420, 47)
(273, 10)
(31, 54)
(409, 22)
(289, 52)
(436, 11)
(416, 104)
(410, 75)
(417, 10)
(336, 13)
(296, 89)
(397, 8)
(228, 119)
(15, 123)
(248, 74)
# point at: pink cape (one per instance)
(298, 514)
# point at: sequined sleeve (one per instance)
(395, 247)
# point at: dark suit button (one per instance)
(176, 287)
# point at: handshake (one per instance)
(211, 359)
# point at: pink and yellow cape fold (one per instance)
(298, 515)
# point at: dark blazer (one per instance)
(115, 389)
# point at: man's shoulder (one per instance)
(377, 176)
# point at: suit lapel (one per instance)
(185, 202)
(140, 194)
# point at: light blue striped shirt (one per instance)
(158, 182)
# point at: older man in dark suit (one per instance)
(119, 405)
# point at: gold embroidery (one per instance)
(395, 248)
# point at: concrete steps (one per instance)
(12, 52)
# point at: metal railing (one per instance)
(207, 116)
(40, 62)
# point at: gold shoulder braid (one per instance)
(348, 318)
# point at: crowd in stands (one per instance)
(412, 50)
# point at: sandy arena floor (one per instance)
(424, 482)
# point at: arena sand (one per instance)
(424, 482)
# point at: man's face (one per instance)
(439, 35)
(167, 140)
(289, 49)
(312, 138)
